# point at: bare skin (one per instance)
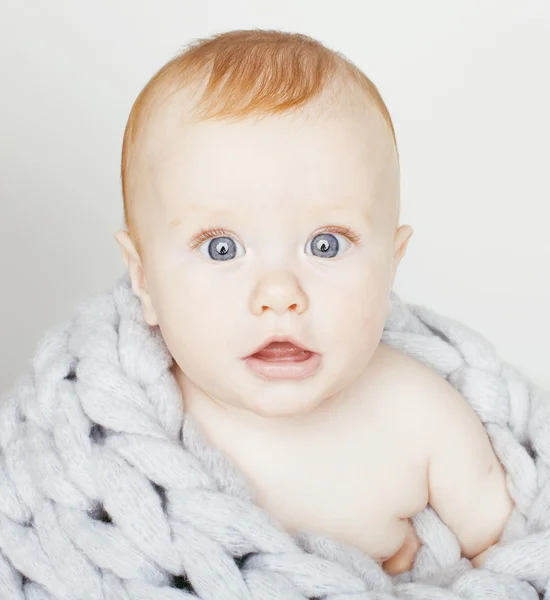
(360, 470)
(360, 447)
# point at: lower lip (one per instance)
(284, 369)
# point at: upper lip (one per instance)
(280, 338)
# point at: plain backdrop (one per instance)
(467, 84)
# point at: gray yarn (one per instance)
(108, 493)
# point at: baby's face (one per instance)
(274, 187)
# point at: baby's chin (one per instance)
(284, 403)
(325, 389)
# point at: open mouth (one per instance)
(283, 358)
(282, 351)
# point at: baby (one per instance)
(261, 190)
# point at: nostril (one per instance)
(291, 307)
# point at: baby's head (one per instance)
(261, 192)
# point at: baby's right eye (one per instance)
(221, 248)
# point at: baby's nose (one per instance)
(278, 291)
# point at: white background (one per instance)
(467, 84)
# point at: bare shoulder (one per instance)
(466, 484)
(401, 372)
(417, 390)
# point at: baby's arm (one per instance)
(466, 481)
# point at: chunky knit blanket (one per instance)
(108, 492)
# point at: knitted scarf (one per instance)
(108, 491)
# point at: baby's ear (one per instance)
(402, 237)
(401, 241)
(135, 269)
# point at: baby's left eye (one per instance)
(326, 245)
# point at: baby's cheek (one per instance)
(369, 309)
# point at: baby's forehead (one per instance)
(275, 146)
(286, 207)
(215, 164)
(224, 161)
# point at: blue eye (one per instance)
(221, 248)
(326, 245)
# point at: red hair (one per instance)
(245, 73)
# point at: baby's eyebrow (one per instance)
(174, 222)
(196, 212)
(329, 212)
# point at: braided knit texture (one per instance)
(108, 492)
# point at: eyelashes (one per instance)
(347, 232)
(211, 232)
(206, 234)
